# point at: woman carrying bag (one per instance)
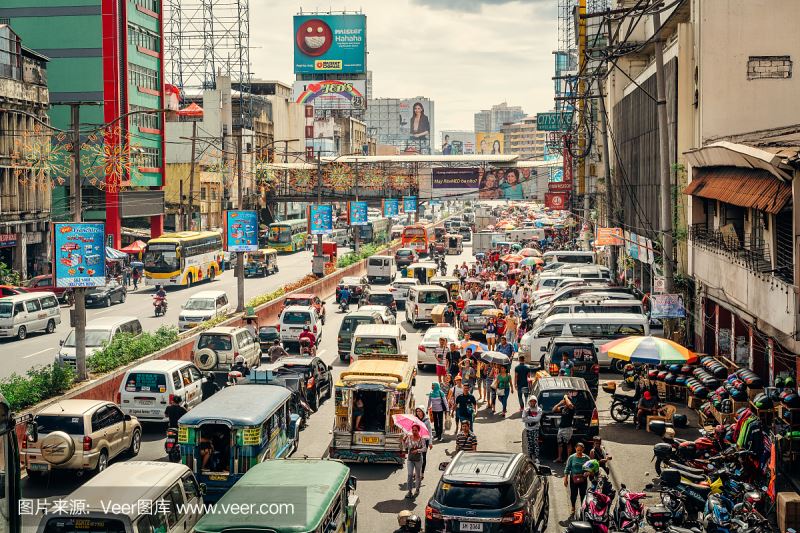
(437, 405)
(504, 388)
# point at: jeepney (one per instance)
(368, 393)
(262, 262)
(451, 283)
(423, 271)
(454, 244)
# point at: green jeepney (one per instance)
(288, 496)
(262, 262)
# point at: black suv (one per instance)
(317, 376)
(550, 391)
(581, 352)
(491, 492)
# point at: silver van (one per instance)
(22, 313)
(590, 304)
(99, 332)
(116, 501)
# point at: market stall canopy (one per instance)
(135, 247)
(648, 350)
(191, 111)
(115, 255)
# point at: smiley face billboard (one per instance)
(330, 44)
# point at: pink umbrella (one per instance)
(406, 421)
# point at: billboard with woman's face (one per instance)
(506, 183)
(416, 122)
(489, 143)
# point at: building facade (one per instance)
(523, 138)
(106, 55)
(493, 119)
(391, 122)
(24, 187)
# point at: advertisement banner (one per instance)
(79, 254)
(553, 121)
(559, 186)
(358, 213)
(241, 231)
(332, 94)
(320, 219)
(391, 207)
(608, 237)
(416, 124)
(330, 43)
(409, 204)
(566, 165)
(632, 243)
(459, 181)
(489, 143)
(456, 142)
(667, 306)
(556, 200)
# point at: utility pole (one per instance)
(285, 178)
(663, 155)
(582, 118)
(610, 217)
(191, 174)
(240, 255)
(318, 262)
(356, 229)
(79, 313)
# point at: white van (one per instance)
(146, 389)
(378, 339)
(99, 332)
(294, 318)
(113, 500)
(421, 301)
(202, 306)
(591, 304)
(22, 313)
(600, 327)
(381, 269)
(590, 272)
(569, 256)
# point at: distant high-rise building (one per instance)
(493, 119)
(523, 138)
(392, 122)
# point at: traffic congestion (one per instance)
(474, 356)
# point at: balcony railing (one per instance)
(749, 253)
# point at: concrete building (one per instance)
(24, 187)
(493, 119)
(732, 123)
(109, 54)
(336, 136)
(523, 138)
(389, 120)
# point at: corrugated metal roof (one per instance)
(745, 187)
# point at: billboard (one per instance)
(241, 231)
(391, 207)
(489, 143)
(667, 306)
(507, 183)
(608, 237)
(457, 143)
(332, 94)
(416, 123)
(330, 43)
(556, 200)
(460, 182)
(320, 219)
(409, 204)
(358, 213)
(79, 254)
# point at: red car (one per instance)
(10, 290)
(44, 283)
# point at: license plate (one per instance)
(145, 402)
(37, 467)
(470, 526)
(217, 478)
(370, 440)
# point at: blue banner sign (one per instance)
(79, 254)
(409, 204)
(241, 230)
(358, 213)
(391, 207)
(320, 219)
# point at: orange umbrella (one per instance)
(530, 252)
(512, 258)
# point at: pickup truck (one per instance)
(44, 283)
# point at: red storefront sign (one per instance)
(557, 186)
(567, 163)
(8, 240)
(556, 200)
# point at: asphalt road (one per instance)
(41, 348)
(382, 488)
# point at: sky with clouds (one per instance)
(465, 55)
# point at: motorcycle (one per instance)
(344, 305)
(160, 305)
(623, 407)
(171, 445)
(684, 499)
(687, 452)
(306, 348)
(596, 508)
(660, 517)
(629, 513)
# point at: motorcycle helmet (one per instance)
(669, 433)
(413, 523)
(239, 360)
(402, 517)
(679, 421)
(779, 382)
(591, 466)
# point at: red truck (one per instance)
(44, 283)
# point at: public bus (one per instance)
(10, 520)
(183, 258)
(416, 237)
(288, 236)
(374, 231)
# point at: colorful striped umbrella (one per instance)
(648, 350)
(511, 258)
(530, 252)
(475, 345)
(532, 261)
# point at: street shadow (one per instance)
(373, 472)
(402, 504)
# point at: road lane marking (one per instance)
(37, 353)
(322, 352)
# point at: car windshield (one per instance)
(296, 317)
(94, 338)
(146, 382)
(6, 309)
(72, 425)
(280, 234)
(364, 345)
(472, 496)
(200, 304)
(381, 299)
(582, 400)
(349, 325)
(214, 341)
(477, 309)
(434, 334)
(299, 301)
(268, 334)
(403, 253)
(576, 352)
(433, 297)
(161, 258)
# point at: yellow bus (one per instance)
(182, 258)
(288, 236)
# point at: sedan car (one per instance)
(355, 284)
(400, 287)
(106, 295)
(426, 351)
(317, 376)
(386, 314)
(378, 297)
(472, 317)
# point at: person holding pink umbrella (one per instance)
(415, 447)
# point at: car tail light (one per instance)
(595, 418)
(596, 369)
(87, 444)
(517, 517)
(235, 355)
(118, 398)
(553, 369)
(315, 328)
(421, 348)
(310, 384)
(279, 326)
(25, 442)
(432, 514)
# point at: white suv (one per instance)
(217, 348)
(294, 318)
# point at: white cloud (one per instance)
(466, 55)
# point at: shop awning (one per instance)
(745, 187)
(135, 247)
(114, 255)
